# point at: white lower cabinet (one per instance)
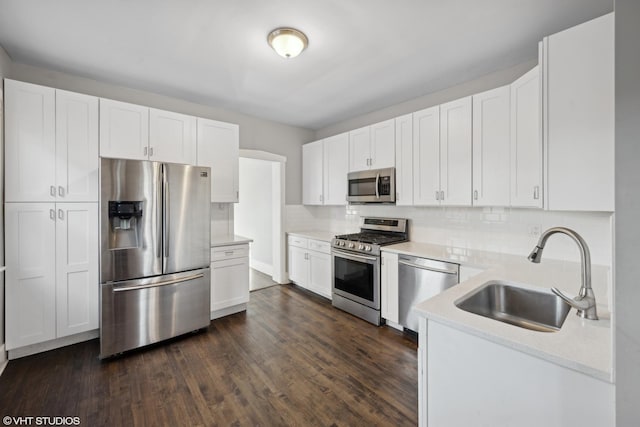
(310, 264)
(389, 287)
(52, 271)
(229, 279)
(466, 380)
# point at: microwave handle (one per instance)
(377, 186)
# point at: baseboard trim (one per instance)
(53, 344)
(262, 267)
(3, 358)
(228, 311)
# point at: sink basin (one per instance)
(537, 310)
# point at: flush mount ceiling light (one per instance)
(287, 42)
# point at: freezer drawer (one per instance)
(139, 312)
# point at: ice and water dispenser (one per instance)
(125, 219)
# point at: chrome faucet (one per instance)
(585, 302)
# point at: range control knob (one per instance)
(361, 247)
(341, 243)
(352, 245)
(367, 248)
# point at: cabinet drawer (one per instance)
(299, 242)
(229, 252)
(320, 246)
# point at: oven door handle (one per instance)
(354, 256)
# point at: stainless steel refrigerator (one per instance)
(155, 252)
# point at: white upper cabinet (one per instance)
(218, 148)
(404, 160)
(372, 147)
(76, 147)
(51, 148)
(30, 171)
(526, 141)
(335, 169)
(360, 149)
(578, 85)
(124, 130)
(455, 152)
(383, 151)
(491, 147)
(426, 156)
(312, 155)
(172, 137)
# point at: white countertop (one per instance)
(325, 236)
(581, 345)
(229, 239)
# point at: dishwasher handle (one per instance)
(422, 267)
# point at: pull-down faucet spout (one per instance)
(585, 302)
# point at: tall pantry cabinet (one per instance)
(51, 213)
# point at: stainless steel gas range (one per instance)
(356, 266)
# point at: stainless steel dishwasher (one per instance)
(420, 279)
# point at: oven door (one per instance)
(357, 277)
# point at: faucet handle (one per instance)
(585, 304)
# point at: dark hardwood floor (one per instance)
(291, 359)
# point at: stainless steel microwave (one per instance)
(372, 186)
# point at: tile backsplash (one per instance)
(506, 230)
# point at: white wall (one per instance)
(255, 133)
(627, 228)
(253, 216)
(481, 84)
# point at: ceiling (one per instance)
(363, 55)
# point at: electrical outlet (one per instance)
(534, 230)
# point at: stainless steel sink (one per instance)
(530, 309)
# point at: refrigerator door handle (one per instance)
(165, 214)
(155, 285)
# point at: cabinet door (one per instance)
(77, 149)
(383, 149)
(124, 130)
(455, 152)
(30, 276)
(298, 266)
(229, 283)
(359, 149)
(335, 169)
(218, 148)
(491, 147)
(172, 137)
(389, 287)
(30, 174)
(404, 160)
(77, 281)
(579, 125)
(526, 141)
(320, 273)
(426, 156)
(312, 173)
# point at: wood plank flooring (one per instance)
(290, 360)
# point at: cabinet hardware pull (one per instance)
(442, 195)
(475, 194)
(150, 151)
(61, 214)
(52, 190)
(228, 253)
(145, 151)
(61, 190)
(52, 214)
(437, 195)
(536, 192)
